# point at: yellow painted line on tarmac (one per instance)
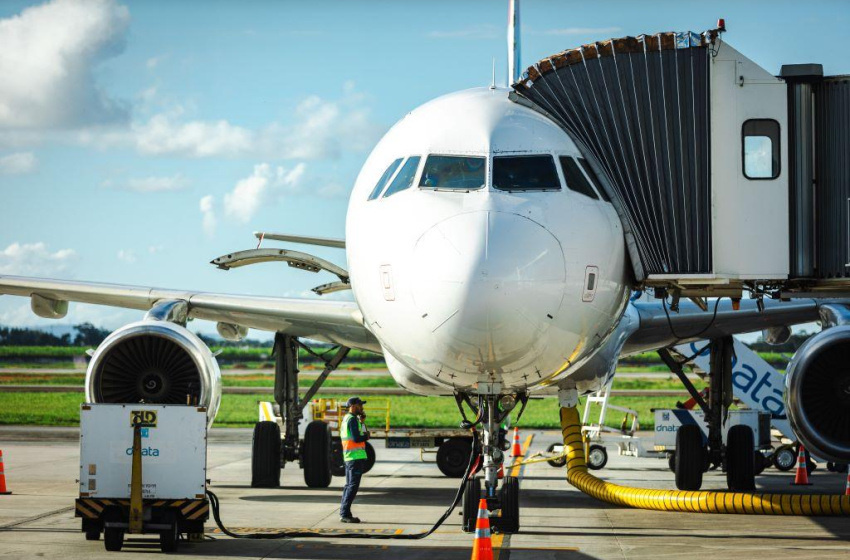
(498, 540)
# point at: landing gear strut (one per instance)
(694, 455)
(271, 449)
(491, 410)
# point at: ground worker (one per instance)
(354, 435)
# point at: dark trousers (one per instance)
(353, 473)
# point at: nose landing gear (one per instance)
(491, 411)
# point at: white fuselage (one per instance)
(468, 286)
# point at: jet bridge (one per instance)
(725, 177)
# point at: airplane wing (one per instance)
(337, 322)
(659, 328)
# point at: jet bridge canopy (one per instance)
(640, 106)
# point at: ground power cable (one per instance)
(216, 510)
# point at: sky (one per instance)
(140, 140)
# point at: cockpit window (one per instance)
(382, 182)
(525, 173)
(404, 179)
(464, 173)
(594, 179)
(576, 181)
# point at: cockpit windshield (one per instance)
(525, 173)
(454, 172)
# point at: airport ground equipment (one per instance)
(697, 502)
(142, 470)
(451, 447)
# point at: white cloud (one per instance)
(209, 221)
(155, 61)
(154, 249)
(47, 56)
(99, 315)
(34, 259)
(127, 256)
(17, 163)
(153, 184)
(164, 135)
(320, 129)
(479, 31)
(261, 187)
(581, 31)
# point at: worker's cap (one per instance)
(355, 400)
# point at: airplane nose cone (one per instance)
(488, 285)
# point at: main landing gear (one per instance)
(272, 450)
(491, 410)
(695, 453)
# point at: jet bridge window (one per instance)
(404, 179)
(576, 181)
(525, 173)
(462, 173)
(760, 149)
(382, 182)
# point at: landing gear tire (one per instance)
(453, 457)
(784, 458)
(509, 520)
(316, 455)
(93, 534)
(597, 457)
(337, 461)
(689, 458)
(557, 463)
(671, 462)
(265, 456)
(471, 497)
(740, 459)
(370, 457)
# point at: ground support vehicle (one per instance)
(142, 471)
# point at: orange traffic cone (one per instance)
(801, 478)
(847, 487)
(2, 477)
(482, 547)
(516, 451)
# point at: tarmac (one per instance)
(404, 494)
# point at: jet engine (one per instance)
(155, 362)
(818, 394)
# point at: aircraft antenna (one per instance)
(513, 42)
(493, 83)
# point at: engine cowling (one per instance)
(156, 362)
(817, 394)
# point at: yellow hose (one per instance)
(676, 500)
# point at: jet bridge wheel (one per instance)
(471, 497)
(740, 459)
(690, 458)
(265, 455)
(316, 455)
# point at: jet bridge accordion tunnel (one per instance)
(724, 175)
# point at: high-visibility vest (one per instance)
(352, 450)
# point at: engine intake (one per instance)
(818, 394)
(156, 362)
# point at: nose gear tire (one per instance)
(469, 508)
(508, 522)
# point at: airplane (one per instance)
(486, 262)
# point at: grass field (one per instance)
(63, 409)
